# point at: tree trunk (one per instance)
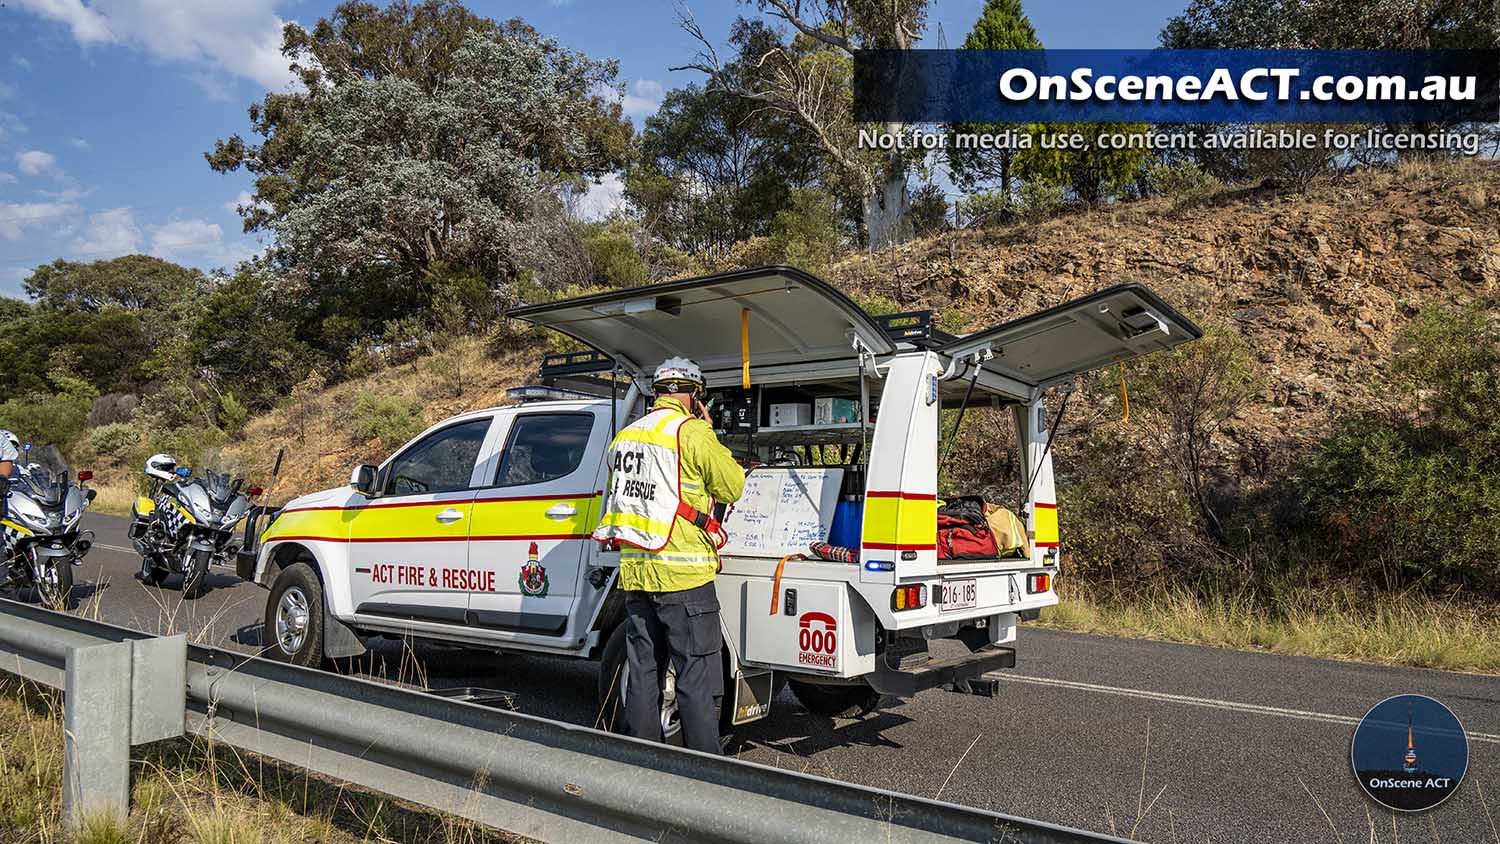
(885, 212)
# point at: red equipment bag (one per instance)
(963, 532)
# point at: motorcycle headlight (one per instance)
(203, 515)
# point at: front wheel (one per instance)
(194, 580)
(851, 701)
(294, 617)
(54, 584)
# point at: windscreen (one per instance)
(45, 476)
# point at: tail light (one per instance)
(909, 597)
(85, 476)
(1038, 582)
(254, 491)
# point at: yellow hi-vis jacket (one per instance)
(707, 473)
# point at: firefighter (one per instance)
(666, 471)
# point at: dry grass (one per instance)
(314, 425)
(189, 791)
(1331, 622)
(114, 499)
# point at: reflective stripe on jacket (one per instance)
(707, 473)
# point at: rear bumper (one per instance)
(946, 672)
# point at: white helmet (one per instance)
(14, 441)
(677, 371)
(161, 467)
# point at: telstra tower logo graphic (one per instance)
(1385, 753)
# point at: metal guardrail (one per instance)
(528, 775)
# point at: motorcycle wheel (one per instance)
(55, 588)
(193, 583)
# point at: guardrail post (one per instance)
(96, 733)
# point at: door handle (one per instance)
(562, 511)
(449, 516)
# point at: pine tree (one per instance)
(1002, 25)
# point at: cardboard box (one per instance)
(788, 415)
(835, 412)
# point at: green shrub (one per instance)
(117, 440)
(614, 259)
(1038, 198)
(390, 419)
(50, 418)
(805, 234)
(986, 208)
(1184, 182)
(1413, 495)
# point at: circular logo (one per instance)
(1410, 753)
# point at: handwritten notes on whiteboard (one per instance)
(782, 511)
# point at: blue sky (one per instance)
(106, 106)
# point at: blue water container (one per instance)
(847, 519)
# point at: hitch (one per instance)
(984, 685)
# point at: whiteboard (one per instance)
(782, 511)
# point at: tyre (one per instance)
(55, 588)
(850, 701)
(194, 583)
(294, 617)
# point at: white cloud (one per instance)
(643, 98)
(7, 179)
(34, 162)
(108, 234)
(173, 239)
(78, 143)
(601, 200)
(240, 38)
(88, 26)
(244, 198)
(21, 62)
(6, 91)
(16, 218)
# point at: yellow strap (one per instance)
(1124, 395)
(745, 348)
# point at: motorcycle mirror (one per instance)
(85, 476)
(254, 491)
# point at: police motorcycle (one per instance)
(187, 523)
(41, 525)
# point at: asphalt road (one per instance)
(1157, 741)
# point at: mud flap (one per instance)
(752, 696)
(339, 639)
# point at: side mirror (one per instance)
(363, 479)
(90, 494)
(85, 476)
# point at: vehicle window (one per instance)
(442, 462)
(544, 447)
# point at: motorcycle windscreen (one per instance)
(790, 317)
(1117, 324)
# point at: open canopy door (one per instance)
(1116, 324)
(793, 318)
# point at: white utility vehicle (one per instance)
(477, 532)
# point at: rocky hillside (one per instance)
(1317, 282)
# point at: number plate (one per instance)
(959, 595)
